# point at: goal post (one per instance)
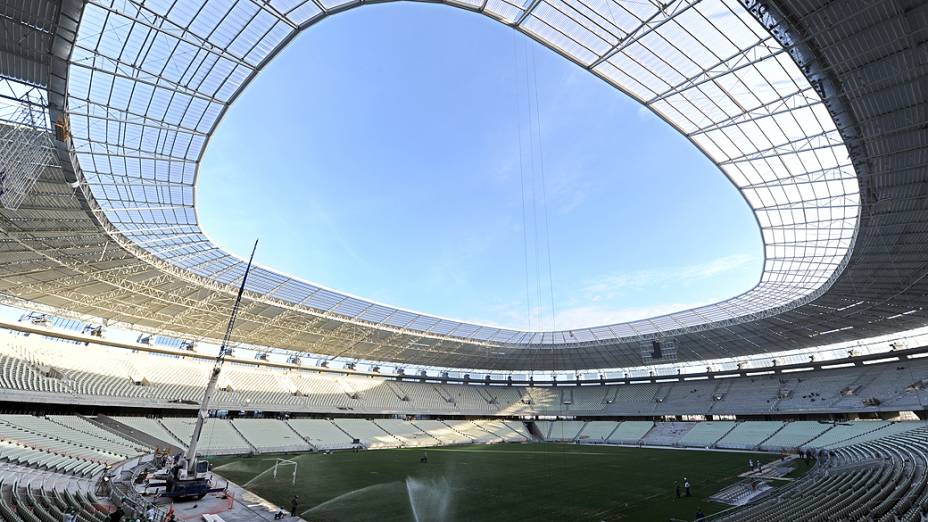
(284, 462)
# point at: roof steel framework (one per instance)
(149, 82)
(143, 85)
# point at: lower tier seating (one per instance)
(874, 479)
(63, 444)
(270, 435)
(867, 470)
(30, 495)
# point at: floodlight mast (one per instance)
(214, 376)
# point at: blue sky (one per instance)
(387, 153)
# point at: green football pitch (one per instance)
(539, 482)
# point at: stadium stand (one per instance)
(62, 444)
(218, 436)
(879, 479)
(408, 433)
(866, 468)
(667, 433)
(886, 431)
(564, 430)
(507, 431)
(474, 431)
(321, 434)
(795, 434)
(749, 435)
(519, 427)
(811, 108)
(269, 435)
(370, 434)
(441, 431)
(544, 428)
(272, 435)
(80, 447)
(38, 369)
(44, 496)
(597, 431)
(152, 427)
(26, 455)
(42, 433)
(631, 431)
(706, 434)
(843, 431)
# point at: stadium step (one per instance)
(580, 433)
(254, 449)
(350, 436)
(397, 392)
(399, 441)
(642, 437)
(433, 437)
(459, 432)
(111, 426)
(778, 430)
(859, 384)
(534, 431)
(444, 394)
(176, 438)
(716, 441)
(298, 434)
(741, 493)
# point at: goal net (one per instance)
(284, 463)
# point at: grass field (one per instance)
(539, 482)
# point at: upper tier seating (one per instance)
(34, 368)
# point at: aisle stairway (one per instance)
(882, 480)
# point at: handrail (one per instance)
(124, 495)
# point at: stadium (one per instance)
(244, 393)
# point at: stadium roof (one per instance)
(816, 113)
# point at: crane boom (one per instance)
(217, 366)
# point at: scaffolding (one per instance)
(26, 147)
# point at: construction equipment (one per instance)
(188, 477)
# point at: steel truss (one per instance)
(114, 235)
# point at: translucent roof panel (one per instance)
(148, 83)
